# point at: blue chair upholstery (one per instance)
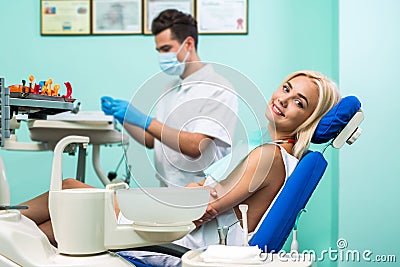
(281, 217)
(336, 119)
(133, 260)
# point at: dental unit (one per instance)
(86, 241)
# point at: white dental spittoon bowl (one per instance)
(163, 205)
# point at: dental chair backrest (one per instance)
(340, 124)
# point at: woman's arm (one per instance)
(210, 212)
(253, 174)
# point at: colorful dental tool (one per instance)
(44, 90)
(24, 88)
(44, 87)
(55, 90)
(31, 79)
(49, 83)
(36, 90)
(69, 90)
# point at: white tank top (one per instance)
(207, 234)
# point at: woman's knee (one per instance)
(72, 183)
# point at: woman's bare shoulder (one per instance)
(265, 157)
(265, 162)
(267, 150)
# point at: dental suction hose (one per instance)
(243, 209)
(294, 246)
(56, 172)
(222, 233)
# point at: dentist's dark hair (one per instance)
(181, 25)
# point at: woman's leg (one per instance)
(38, 210)
(47, 229)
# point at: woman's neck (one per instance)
(280, 136)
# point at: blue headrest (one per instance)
(335, 120)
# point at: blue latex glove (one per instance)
(106, 105)
(123, 111)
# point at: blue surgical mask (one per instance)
(170, 64)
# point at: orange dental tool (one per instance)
(44, 90)
(55, 91)
(31, 79)
(49, 83)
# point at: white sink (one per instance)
(163, 206)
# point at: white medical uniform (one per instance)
(205, 103)
(207, 234)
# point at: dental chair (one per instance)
(337, 127)
(341, 123)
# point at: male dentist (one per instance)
(195, 117)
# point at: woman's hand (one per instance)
(213, 191)
(193, 184)
(210, 214)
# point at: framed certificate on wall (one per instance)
(117, 17)
(65, 17)
(154, 7)
(222, 16)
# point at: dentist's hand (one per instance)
(123, 111)
(106, 105)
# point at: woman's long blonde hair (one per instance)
(328, 97)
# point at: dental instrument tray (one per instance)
(38, 108)
(41, 97)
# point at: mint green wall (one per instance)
(369, 171)
(284, 36)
